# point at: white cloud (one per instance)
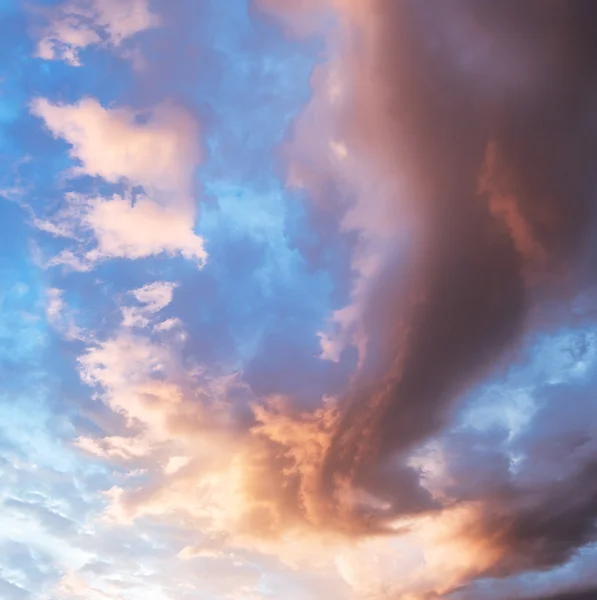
(168, 324)
(140, 229)
(60, 317)
(122, 227)
(82, 23)
(153, 298)
(158, 150)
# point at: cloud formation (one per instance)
(157, 150)
(486, 159)
(76, 25)
(380, 386)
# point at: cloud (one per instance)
(428, 132)
(13, 592)
(142, 228)
(253, 481)
(73, 586)
(157, 149)
(235, 468)
(158, 152)
(53, 521)
(449, 321)
(60, 317)
(153, 297)
(446, 446)
(581, 594)
(78, 24)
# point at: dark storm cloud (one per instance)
(583, 594)
(502, 184)
(486, 111)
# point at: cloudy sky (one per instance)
(298, 300)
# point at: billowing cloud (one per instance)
(481, 165)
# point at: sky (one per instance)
(298, 300)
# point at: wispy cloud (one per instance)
(75, 25)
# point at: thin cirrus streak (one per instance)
(298, 300)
